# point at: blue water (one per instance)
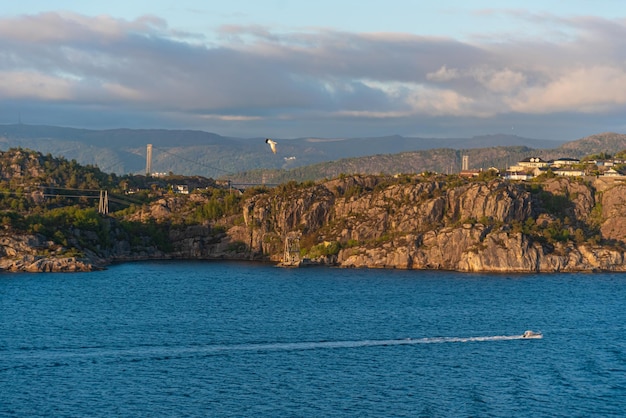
(239, 339)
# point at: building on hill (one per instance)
(528, 165)
(181, 188)
(535, 166)
(526, 169)
(517, 175)
(475, 172)
(537, 171)
(568, 167)
(470, 173)
(533, 162)
(611, 172)
(569, 172)
(565, 161)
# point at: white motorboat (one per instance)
(532, 334)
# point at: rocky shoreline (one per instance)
(35, 254)
(520, 259)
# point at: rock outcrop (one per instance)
(409, 222)
(33, 253)
(494, 226)
(613, 211)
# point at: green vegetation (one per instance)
(487, 175)
(146, 234)
(601, 156)
(221, 203)
(323, 249)
(58, 199)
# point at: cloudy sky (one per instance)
(553, 69)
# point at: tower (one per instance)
(291, 256)
(465, 165)
(103, 205)
(149, 160)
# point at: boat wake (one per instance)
(169, 352)
(361, 343)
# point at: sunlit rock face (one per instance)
(475, 226)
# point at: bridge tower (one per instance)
(149, 160)
(103, 205)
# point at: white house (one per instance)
(181, 188)
(569, 172)
(532, 162)
(611, 172)
(565, 161)
(517, 175)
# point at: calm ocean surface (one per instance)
(243, 339)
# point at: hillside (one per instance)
(210, 155)
(442, 160)
(50, 220)
(608, 142)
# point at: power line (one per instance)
(16, 193)
(69, 188)
(125, 202)
(68, 195)
(120, 199)
(108, 169)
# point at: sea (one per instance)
(237, 339)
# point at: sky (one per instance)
(546, 69)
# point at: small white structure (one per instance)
(569, 172)
(181, 188)
(611, 172)
(565, 161)
(518, 175)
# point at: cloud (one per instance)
(253, 74)
(55, 27)
(27, 84)
(443, 74)
(587, 90)
(438, 102)
(502, 81)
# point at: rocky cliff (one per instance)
(494, 226)
(407, 222)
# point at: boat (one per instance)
(532, 334)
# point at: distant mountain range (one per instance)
(207, 154)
